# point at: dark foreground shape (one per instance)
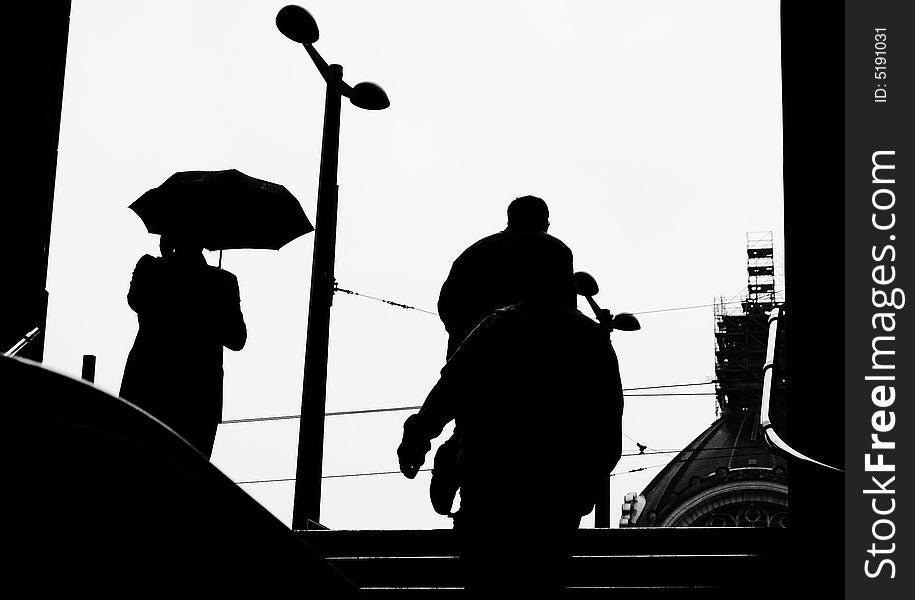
(109, 501)
(668, 563)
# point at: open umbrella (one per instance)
(222, 210)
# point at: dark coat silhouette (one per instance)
(536, 392)
(492, 273)
(187, 311)
(497, 271)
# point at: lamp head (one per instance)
(626, 322)
(585, 284)
(297, 24)
(369, 96)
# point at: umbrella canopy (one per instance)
(223, 209)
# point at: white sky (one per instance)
(652, 129)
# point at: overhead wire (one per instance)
(402, 408)
(642, 447)
(694, 459)
(689, 458)
(337, 288)
(670, 394)
(386, 301)
(641, 312)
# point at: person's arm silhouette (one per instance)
(231, 325)
(442, 405)
(145, 288)
(420, 429)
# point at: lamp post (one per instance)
(298, 25)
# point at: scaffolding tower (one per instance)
(760, 268)
(741, 334)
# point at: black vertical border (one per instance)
(872, 126)
(811, 66)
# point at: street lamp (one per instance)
(299, 26)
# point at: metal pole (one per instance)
(307, 502)
(88, 373)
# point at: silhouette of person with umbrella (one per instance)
(188, 310)
(535, 390)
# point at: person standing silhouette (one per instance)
(187, 311)
(490, 274)
(536, 392)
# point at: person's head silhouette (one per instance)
(528, 213)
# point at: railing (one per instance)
(26, 339)
(775, 442)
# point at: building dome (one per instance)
(726, 477)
